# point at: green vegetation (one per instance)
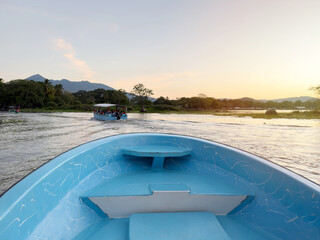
(313, 114)
(42, 96)
(316, 89)
(33, 96)
(209, 103)
(141, 95)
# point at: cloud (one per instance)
(67, 50)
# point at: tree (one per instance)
(25, 93)
(202, 95)
(113, 96)
(120, 97)
(162, 101)
(316, 89)
(1, 93)
(142, 93)
(58, 90)
(49, 90)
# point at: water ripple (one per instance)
(29, 140)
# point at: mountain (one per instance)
(293, 99)
(71, 86)
(247, 99)
(36, 77)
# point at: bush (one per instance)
(271, 112)
(86, 107)
(52, 105)
(164, 107)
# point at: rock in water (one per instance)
(271, 112)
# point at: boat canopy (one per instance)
(105, 105)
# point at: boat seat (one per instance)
(167, 226)
(176, 226)
(157, 152)
(165, 198)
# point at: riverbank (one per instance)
(289, 115)
(312, 114)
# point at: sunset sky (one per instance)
(222, 48)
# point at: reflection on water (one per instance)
(29, 140)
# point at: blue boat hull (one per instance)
(109, 117)
(160, 186)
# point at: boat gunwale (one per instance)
(33, 183)
(270, 163)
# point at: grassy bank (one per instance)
(291, 115)
(312, 114)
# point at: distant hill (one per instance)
(71, 86)
(293, 99)
(247, 99)
(75, 86)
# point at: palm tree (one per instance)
(58, 89)
(49, 89)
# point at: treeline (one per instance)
(32, 94)
(206, 103)
(87, 99)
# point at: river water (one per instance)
(28, 140)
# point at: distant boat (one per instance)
(14, 109)
(110, 112)
(149, 186)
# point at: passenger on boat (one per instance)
(117, 114)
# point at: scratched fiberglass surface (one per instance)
(52, 202)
